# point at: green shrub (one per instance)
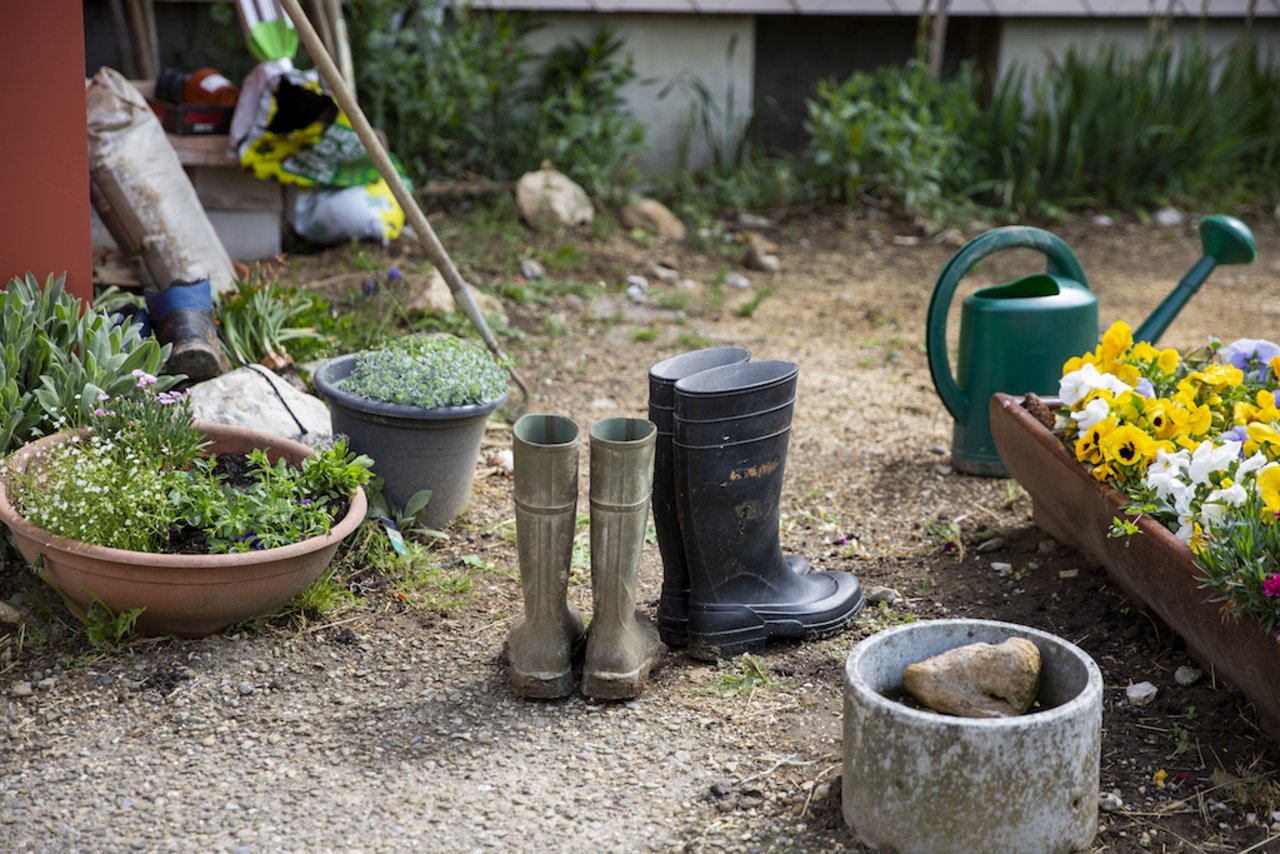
(427, 371)
(58, 359)
(1107, 129)
(446, 85)
(896, 135)
(583, 126)
(461, 94)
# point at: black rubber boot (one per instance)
(182, 316)
(732, 426)
(673, 607)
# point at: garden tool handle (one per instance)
(1062, 262)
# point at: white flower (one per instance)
(1209, 457)
(1167, 472)
(1252, 464)
(1094, 411)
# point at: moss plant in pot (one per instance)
(418, 407)
(198, 525)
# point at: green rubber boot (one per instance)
(622, 644)
(540, 646)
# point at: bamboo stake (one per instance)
(378, 154)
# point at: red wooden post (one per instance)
(44, 149)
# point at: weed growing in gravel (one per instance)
(945, 534)
(106, 629)
(748, 308)
(738, 676)
(644, 335)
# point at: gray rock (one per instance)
(1046, 547)
(21, 689)
(979, 680)
(663, 273)
(990, 545)
(434, 297)
(1141, 694)
(549, 200)
(653, 216)
(1187, 676)
(1001, 567)
(1111, 801)
(532, 269)
(245, 398)
(1102, 221)
(737, 280)
(1169, 217)
(887, 595)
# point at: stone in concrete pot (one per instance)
(184, 594)
(920, 782)
(413, 447)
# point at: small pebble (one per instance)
(21, 689)
(737, 280)
(990, 545)
(1001, 568)
(531, 269)
(888, 595)
(245, 688)
(47, 683)
(943, 470)
(1111, 801)
(1141, 694)
(1064, 574)
(1187, 676)
(1047, 547)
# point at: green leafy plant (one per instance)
(137, 482)
(583, 125)
(57, 359)
(1110, 128)
(107, 629)
(741, 675)
(258, 317)
(896, 136)
(428, 372)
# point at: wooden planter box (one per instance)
(1153, 568)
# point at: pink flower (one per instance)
(1271, 585)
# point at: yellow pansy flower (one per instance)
(1103, 473)
(1127, 445)
(1088, 446)
(1191, 420)
(1262, 437)
(1269, 489)
(1168, 360)
(1158, 413)
(1116, 341)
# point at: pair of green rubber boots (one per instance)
(622, 645)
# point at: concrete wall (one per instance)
(1034, 42)
(671, 48)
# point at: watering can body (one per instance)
(1014, 338)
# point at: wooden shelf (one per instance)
(210, 150)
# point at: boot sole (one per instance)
(541, 686)
(673, 607)
(618, 686)
(743, 628)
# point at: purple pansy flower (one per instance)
(1145, 388)
(1251, 355)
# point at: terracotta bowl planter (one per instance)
(1154, 568)
(185, 595)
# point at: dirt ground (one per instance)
(868, 481)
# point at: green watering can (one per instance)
(1014, 338)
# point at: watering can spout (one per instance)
(1226, 240)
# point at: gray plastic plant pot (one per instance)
(920, 781)
(412, 448)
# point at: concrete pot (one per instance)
(1153, 568)
(919, 781)
(184, 595)
(412, 448)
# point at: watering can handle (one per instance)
(1062, 262)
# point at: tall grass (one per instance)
(1113, 130)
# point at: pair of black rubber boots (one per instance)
(724, 423)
